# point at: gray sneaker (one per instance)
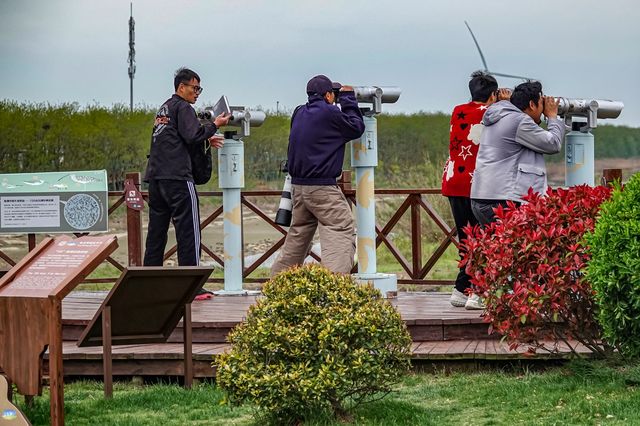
(474, 303)
(457, 299)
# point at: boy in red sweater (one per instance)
(464, 138)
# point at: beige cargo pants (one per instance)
(326, 206)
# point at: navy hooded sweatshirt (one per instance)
(319, 132)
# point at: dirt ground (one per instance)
(629, 166)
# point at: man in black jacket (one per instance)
(172, 193)
(319, 132)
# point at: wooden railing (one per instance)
(412, 202)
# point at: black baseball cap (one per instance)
(321, 84)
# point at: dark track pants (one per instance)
(463, 216)
(483, 210)
(175, 201)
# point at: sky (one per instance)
(262, 53)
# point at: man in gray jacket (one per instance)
(510, 159)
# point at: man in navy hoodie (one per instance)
(319, 132)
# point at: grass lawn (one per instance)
(581, 393)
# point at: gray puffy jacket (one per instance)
(510, 157)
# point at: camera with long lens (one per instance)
(283, 216)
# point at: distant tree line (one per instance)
(45, 137)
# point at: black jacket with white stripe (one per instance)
(176, 125)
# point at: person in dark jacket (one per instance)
(172, 193)
(319, 132)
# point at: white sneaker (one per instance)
(458, 299)
(474, 303)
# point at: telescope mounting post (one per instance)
(364, 159)
(579, 154)
(582, 116)
(231, 181)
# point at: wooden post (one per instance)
(31, 239)
(344, 181)
(416, 237)
(188, 349)
(9, 387)
(611, 175)
(56, 377)
(134, 228)
(106, 352)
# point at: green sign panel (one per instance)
(52, 202)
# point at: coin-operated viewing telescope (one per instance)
(364, 158)
(231, 181)
(377, 95)
(582, 115)
(240, 116)
(592, 109)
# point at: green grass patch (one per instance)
(581, 393)
(141, 405)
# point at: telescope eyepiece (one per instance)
(205, 115)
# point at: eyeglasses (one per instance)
(197, 89)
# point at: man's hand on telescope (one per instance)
(346, 89)
(216, 141)
(551, 107)
(504, 94)
(222, 120)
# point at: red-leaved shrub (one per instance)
(527, 265)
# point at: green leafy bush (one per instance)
(527, 264)
(614, 268)
(316, 343)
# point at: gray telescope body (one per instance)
(246, 119)
(592, 109)
(240, 117)
(377, 95)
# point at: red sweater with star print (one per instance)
(464, 139)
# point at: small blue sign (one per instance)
(9, 414)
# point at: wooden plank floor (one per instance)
(414, 307)
(429, 316)
(167, 359)
(441, 333)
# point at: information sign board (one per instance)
(31, 296)
(53, 202)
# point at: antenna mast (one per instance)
(132, 56)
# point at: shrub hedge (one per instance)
(528, 266)
(316, 342)
(614, 268)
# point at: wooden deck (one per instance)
(441, 333)
(428, 316)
